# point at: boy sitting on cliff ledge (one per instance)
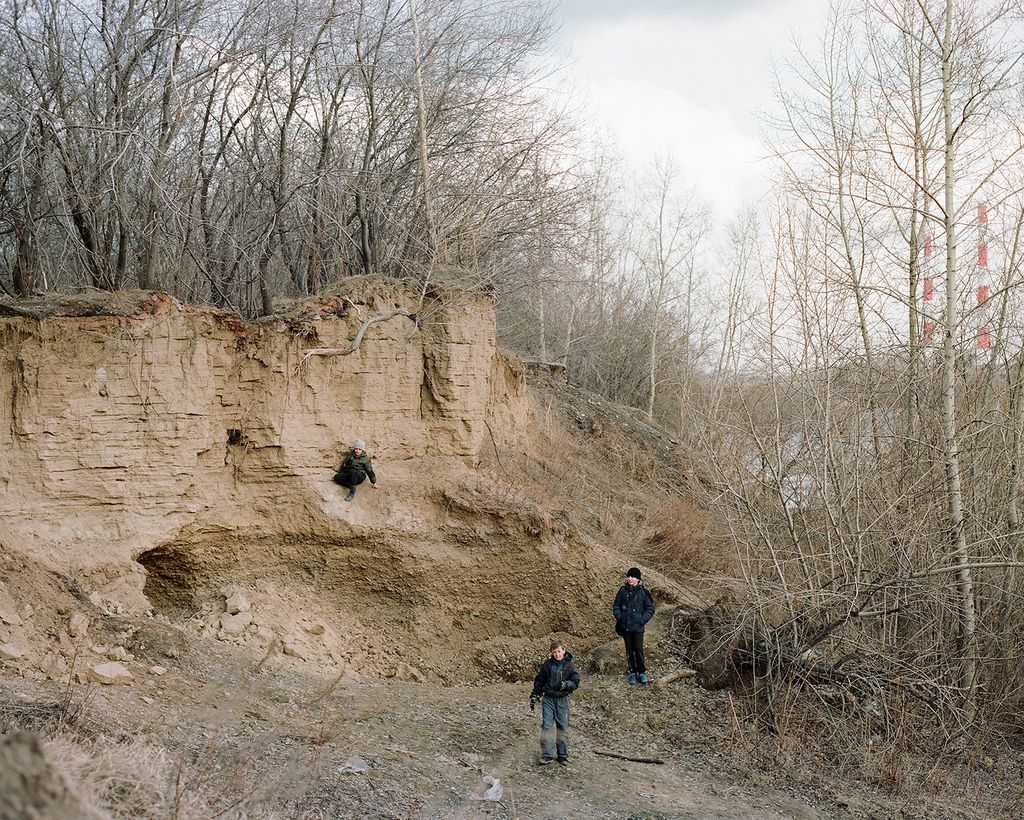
(354, 469)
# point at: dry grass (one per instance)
(602, 478)
(677, 541)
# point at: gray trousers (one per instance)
(554, 722)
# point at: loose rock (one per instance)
(296, 649)
(79, 625)
(235, 624)
(404, 671)
(9, 616)
(30, 787)
(110, 674)
(11, 652)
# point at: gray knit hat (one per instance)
(360, 445)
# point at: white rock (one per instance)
(79, 625)
(355, 765)
(296, 649)
(158, 670)
(110, 673)
(9, 616)
(237, 603)
(118, 653)
(147, 700)
(235, 624)
(315, 628)
(95, 599)
(405, 672)
(11, 652)
(494, 790)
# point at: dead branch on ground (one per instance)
(679, 674)
(654, 760)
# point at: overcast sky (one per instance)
(688, 77)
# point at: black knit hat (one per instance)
(633, 572)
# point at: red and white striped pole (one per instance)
(928, 293)
(984, 288)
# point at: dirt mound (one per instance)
(364, 603)
(202, 626)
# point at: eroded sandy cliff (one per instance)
(121, 432)
(181, 452)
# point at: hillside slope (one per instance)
(161, 458)
(199, 625)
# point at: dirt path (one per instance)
(250, 740)
(276, 744)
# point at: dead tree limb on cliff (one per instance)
(495, 445)
(7, 309)
(865, 681)
(740, 646)
(367, 323)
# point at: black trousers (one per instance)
(349, 478)
(635, 651)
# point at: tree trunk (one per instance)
(950, 438)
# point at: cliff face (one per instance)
(119, 433)
(173, 461)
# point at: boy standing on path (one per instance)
(633, 608)
(556, 680)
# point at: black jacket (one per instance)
(633, 607)
(360, 463)
(551, 676)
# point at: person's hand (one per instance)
(533, 702)
(562, 686)
(375, 486)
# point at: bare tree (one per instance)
(674, 228)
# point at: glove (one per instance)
(563, 686)
(533, 702)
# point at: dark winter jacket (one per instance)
(553, 674)
(633, 607)
(360, 463)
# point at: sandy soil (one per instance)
(247, 737)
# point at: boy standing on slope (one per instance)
(633, 608)
(557, 679)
